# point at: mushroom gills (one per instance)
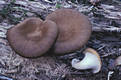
(90, 61)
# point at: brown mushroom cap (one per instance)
(32, 37)
(74, 30)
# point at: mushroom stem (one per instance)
(90, 61)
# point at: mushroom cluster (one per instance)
(63, 31)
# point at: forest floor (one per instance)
(106, 39)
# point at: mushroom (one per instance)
(118, 61)
(90, 61)
(74, 30)
(32, 37)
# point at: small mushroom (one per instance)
(90, 61)
(118, 61)
(74, 30)
(32, 37)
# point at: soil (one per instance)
(105, 17)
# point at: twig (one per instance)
(104, 29)
(109, 74)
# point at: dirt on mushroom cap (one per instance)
(74, 30)
(32, 37)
